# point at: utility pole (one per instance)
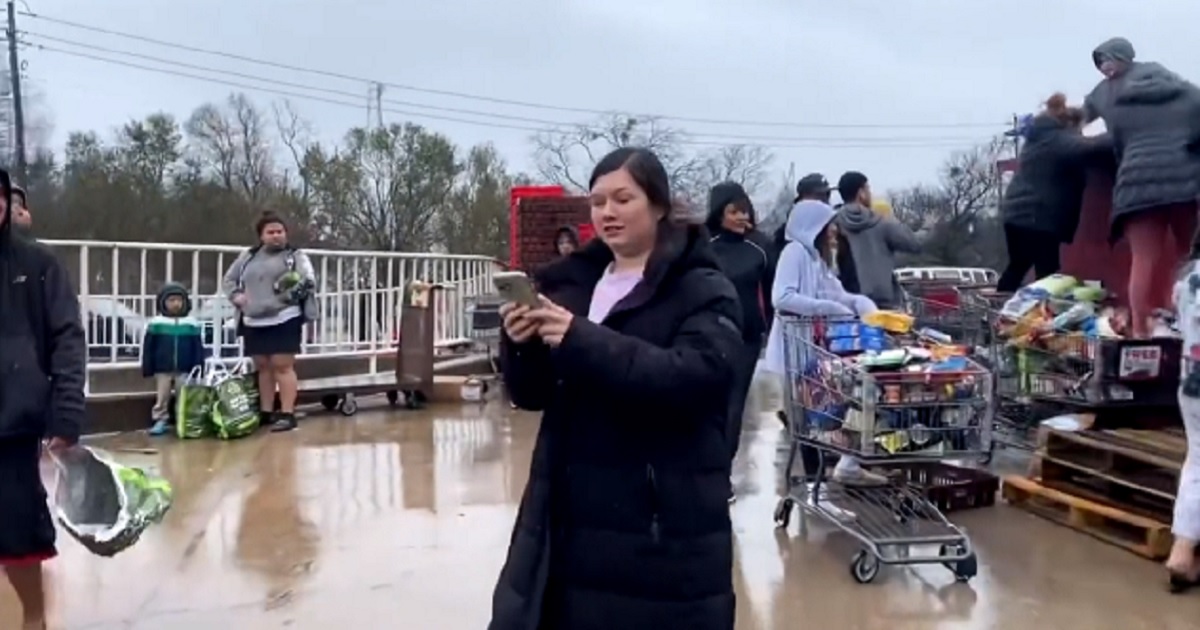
(379, 105)
(14, 70)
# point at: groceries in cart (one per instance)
(892, 392)
(1056, 339)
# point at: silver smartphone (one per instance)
(515, 286)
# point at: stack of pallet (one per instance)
(1116, 485)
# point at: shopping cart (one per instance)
(884, 419)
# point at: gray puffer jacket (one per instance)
(1153, 117)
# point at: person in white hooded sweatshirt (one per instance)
(807, 285)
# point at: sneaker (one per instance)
(160, 427)
(284, 422)
(858, 476)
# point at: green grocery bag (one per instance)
(193, 406)
(246, 371)
(235, 403)
(105, 505)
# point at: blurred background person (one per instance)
(750, 268)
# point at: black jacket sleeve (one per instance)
(528, 372)
(67, 349)
(694, 373)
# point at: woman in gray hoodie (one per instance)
(271, 285)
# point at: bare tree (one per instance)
(566, 156)
(959, 213)
(296, 136)
(233, 140)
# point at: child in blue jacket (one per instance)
(172, 347)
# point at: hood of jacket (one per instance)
(1043, 125)
(806, 221)
(1150, 84)
(169, 289)
(1117, 48)
(854, 217)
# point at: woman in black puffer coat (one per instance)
(624, 522)
(1041, 207)
(1153, 116)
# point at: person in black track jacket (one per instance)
(624, 521)
(44, 354)
(751, 270)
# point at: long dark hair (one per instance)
(646, 170)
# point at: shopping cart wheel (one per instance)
(783, 512)
(329, 402)
(864, 567)
(393, 397)
(964, 569)
(349, 405)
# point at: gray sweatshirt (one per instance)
(874, 242)
(256, 273)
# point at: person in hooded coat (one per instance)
(750, 268)
(806, 286)
(1041, 207)
(43, 349)
(1153, 118)
(867, 264)
(624, 522)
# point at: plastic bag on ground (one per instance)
(105, 505)
(193, 411)
(235, 403)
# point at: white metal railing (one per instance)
(359, 294)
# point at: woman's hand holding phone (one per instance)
(517, 324)
(553, 321)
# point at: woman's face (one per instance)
(1111, 68)
(622, 215)
(735, 219)
(273, 235)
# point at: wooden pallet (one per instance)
(1141, 461)
(1146, 537)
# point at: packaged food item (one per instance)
(852, 329)
(1056, 286)
(865, 343)
(891, 321)
(934, 335)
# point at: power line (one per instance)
(500, 101)
(554, 124)
(808, 143)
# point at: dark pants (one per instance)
(743, 377)
(1028, 249)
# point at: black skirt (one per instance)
(284, 338)
(26, 528)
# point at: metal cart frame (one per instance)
(839, 408)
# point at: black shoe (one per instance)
(265, 418)
(1179, 583)
(283, 422)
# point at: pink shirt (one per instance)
(610, 289)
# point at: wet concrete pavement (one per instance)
(399, 519)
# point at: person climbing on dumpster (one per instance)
(749, 267)
(44, 354)
(806, 286)
(1153, 118)
(624, 522)
(1041, 206)
(869, 266)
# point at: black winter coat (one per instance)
(1046, 193)
(1155, 127)
(624, 522)
(752, 271)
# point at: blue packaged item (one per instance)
(865, 343)
(851, 329)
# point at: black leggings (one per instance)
(743, 378)
(1028, 249)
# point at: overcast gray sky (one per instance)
(896, 64)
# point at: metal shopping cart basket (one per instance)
(840, 408)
